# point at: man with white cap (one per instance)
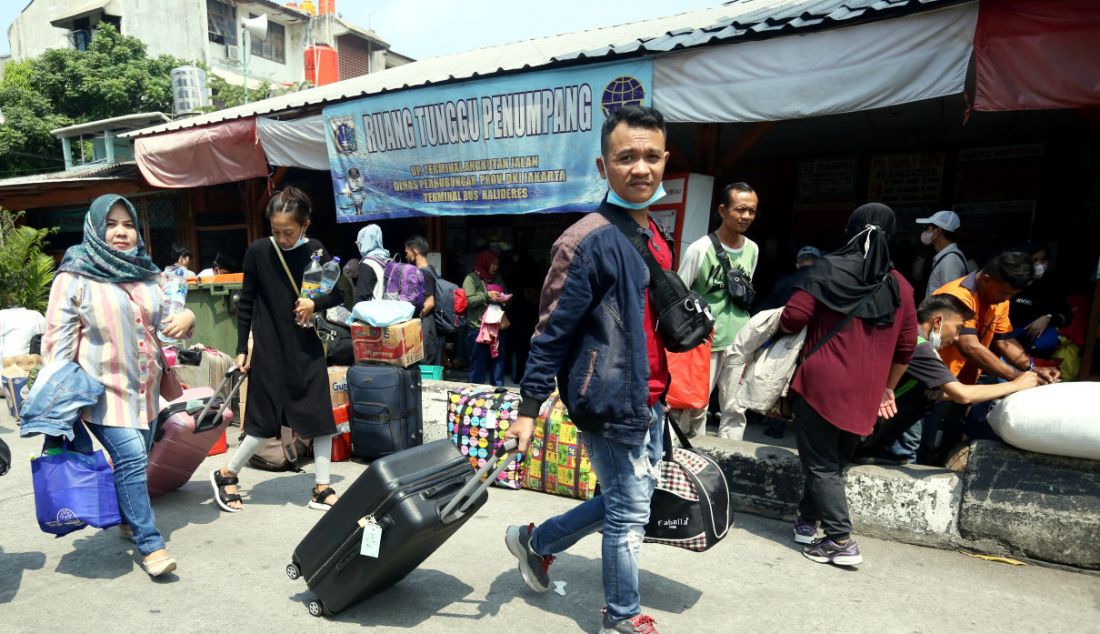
(949, 263)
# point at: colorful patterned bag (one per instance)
(557, 462)
(477, 418)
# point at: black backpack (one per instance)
(684, 319)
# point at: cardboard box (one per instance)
(338, 384)
(15, 388)
(401, 345)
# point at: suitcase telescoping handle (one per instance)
(201, 422)
(477, 485)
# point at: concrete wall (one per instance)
(1009, 502)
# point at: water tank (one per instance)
(308, 7)
(326, 7)
(190, 94)
(322, 65)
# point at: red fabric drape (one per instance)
(222, 153)
(1037, 54)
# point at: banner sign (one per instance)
(519, 144)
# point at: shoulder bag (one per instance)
(684, 319)
(738, 283)
(325, 338)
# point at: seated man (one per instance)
(927, 380)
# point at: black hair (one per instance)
(739, 187)
(417, 243)
(223, 262)
(290, 200)
(179, 251)
(942, 303)
(1013, 268)
(633, 117)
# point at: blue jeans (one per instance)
(627, 476)
(482, 362)
(129, 451)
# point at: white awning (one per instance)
(297, 143)
(83, 10)
(847, 69)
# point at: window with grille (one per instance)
(221, 22)
(274, 46)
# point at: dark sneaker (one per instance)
(826, 551)
(804, 532)
(533, 567)
(640, 624)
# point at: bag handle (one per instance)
(286, 269)
(200, 421)
(675, 427)
(478, 484)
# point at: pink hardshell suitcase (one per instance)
(186, 429)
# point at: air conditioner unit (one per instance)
(233, 53)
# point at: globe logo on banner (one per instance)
(621, 91)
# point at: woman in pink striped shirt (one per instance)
(105, 305)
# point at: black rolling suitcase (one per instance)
(408, 504)
(384, 409)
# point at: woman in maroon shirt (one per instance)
(840, 385)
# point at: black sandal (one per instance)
(317, 502)
(219, 482)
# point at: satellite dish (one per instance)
(257, 27)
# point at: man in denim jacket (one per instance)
(596, 338)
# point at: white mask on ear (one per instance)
(302, 239)
(1040, 269)
(935, 338)
(926, 238)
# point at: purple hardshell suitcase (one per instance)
(185, 431)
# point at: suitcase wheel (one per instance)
(315, 608)
(293, 571)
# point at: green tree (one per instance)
(25, 271)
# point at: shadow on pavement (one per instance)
(98, 555)
(289, 488)
(12, 566)
(424, 594)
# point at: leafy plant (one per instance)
(25, 271)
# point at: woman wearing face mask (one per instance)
(288, 383)
(105, 305)
(1041, 309)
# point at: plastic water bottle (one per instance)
(175, 298)
(312, 279)
(330, 274)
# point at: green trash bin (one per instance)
(215, 308)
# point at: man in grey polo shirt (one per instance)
(949, 263)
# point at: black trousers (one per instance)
(825, 452)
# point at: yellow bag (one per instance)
(1070, 355)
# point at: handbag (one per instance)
(684, 319)
(690, 371)
(691, 506)
(73, 490)
(738, 284)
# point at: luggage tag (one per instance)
(372, 537)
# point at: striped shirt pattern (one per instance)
(106, 329)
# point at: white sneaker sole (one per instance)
(844, 560)
(804, 539)
(511, 539)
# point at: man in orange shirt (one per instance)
(986, 339)
(984, 344)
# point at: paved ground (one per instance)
(231, 576)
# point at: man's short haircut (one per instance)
(634, 117)
(740, 187)
(1013, 268)
(418, 244)
(179, 251)
(943, 303)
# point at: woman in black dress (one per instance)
(289, 382)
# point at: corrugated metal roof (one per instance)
(741, 19)
(98, 172)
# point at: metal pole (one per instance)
(246, 41)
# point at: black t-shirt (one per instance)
(928, 370)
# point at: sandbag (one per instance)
(1060, 419)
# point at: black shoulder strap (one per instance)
(636, 235)
(835, 329)
(720, 252)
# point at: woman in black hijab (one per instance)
(861, 330)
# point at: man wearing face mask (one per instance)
(596, 340)
(1041, 309)
(949, 263)
(928, 380)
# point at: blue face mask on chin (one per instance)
(618, 201)
(302, 239)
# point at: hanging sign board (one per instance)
(524, 143)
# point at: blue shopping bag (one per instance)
(73, 490)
